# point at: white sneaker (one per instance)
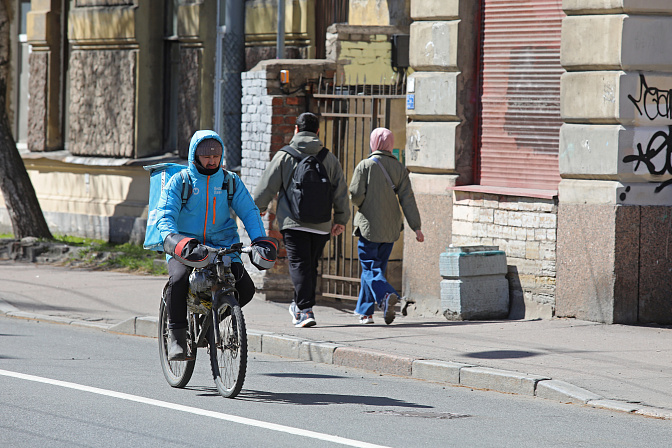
(365, 319)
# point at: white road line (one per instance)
(192, 410)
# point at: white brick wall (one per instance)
(525, 228)
(255, 127)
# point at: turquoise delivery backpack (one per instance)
(159, 175)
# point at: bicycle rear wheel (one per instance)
(228, 360)
(177, 373)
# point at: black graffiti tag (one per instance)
(663, 140)
(652, 96)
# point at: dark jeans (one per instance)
(178, 286)
(304, 250)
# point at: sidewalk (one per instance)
(624, 368)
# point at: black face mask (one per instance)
(203, 170)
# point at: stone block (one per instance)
(616, 6)
(500, 380)
(564, 392)
(617, 41)
(435, 9)
(433, 95)
(472, 298)
(431, 145)
(278, 345)
(598, 259)
(444, 371)
(628, 154)
(610, 97)
(372, 360)
(472, 261)
(317, 351)
(575, 191)
(434, 46)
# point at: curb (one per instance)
(452, 373)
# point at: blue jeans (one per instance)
(373, 257)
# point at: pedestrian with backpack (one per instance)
(310, 183)
(194, 208)
(379, 185)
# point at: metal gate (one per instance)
(348, 114)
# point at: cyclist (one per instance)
(206, 218)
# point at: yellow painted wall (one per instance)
(370, 12)
(89, 190)
(261, 22)
(372, 60)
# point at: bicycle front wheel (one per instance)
(228, 359)
(177, 373)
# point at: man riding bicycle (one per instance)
(206, 218)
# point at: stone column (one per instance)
(615, 215)
(116, 78)
(439, 147)
(44, 107)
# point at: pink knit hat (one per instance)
(382, 140)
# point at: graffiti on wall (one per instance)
(653, 103)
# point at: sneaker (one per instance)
(365, 319)
(389, 302)
(294, 312)
(305, 318)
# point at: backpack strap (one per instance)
(322, 154)
(186, 187)
(292, 152)
(229, 185)
(387, 176)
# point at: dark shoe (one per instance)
(389, 302)
(177, 344)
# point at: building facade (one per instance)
(540, 127)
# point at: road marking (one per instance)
(192, 410)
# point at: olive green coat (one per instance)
(277, 177)
(379, 218)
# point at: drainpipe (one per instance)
(233, 64)
(280, 41)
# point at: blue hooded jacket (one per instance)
(206, 215)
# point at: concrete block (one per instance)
(433, 95)
(500, 380)
(281, 345)
(615, 405)
(617, 41)
(616, 6)
(434, 46)
(255, 340)
(564, 392)
(147, 326)
(444, 371)
(435, 9)
(470, 261)
(372, 360)
(628, 154)
(318, 352)
(431, 144)
(469, 298)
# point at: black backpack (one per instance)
(310, 193)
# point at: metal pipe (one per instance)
(280, 41)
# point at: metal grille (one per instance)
(348, 114)
(520, 133)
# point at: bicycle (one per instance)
(211, 304)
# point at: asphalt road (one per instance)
(72, 386)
